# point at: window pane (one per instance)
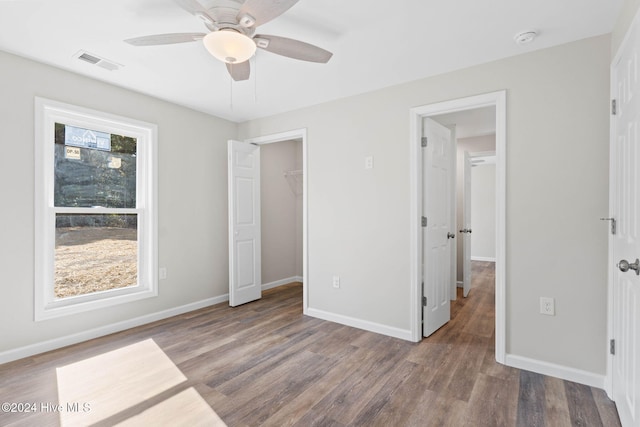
(94, 168)
(95, 253)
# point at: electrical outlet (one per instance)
(336, 282)
(368, 162)
(162, 273)
(547, 306)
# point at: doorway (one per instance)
(296, 184)
(281, 195)
(496, 100)
(474, 142)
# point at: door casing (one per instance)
(300, 134)
(465, 238)
(498, 100)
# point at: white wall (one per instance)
(483, 212)
(557, 116)
(192, 166)
(280, 213)
(481, 143)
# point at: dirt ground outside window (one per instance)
(94, 259)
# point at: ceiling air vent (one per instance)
(96, 60)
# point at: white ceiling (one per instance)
(375, 44)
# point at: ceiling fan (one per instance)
(232, 39)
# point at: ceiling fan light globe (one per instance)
(229, 46)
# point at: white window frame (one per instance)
(47, 113)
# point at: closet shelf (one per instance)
(293, 172)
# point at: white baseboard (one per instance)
(559, 371)
(360, 324)
(483, 258)
(281, 282)
(41, 347)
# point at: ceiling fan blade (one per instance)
(197, 9)
(192, 6)
(292, 48)
(159, 39)
(240, 71)
(262, 11)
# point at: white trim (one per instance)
(47, 113)
(41, 347)
(378, 328)
(497, 99)
(559, 371)
(286, 136)
(453, 256)
(483, 258)
(281, 282)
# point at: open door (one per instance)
(624, 242)
(437, 230)
(245, 258)
(466, 227)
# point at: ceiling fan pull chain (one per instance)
(255, 78)
(231, 90)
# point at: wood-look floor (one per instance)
(266, 364)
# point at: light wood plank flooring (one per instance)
(266, 364)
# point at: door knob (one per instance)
(451, 236)
(624, 266)
(465, 230)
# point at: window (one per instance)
(96, 221)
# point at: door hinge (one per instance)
(614, 107)
(424, 221)
(612, 347)
(424, 141)
(424, 301)
(613, 224)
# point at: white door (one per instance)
(465, 233)
(625, 201)
(437, 182)
(245, 281)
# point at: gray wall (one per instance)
(281, 216)
(472, 144)
(483, 212)
(557, 116)
(192, 183)
(557, 113)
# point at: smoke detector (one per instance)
(525, 37)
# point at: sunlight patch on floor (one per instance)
(104, 386)
(193, 409)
